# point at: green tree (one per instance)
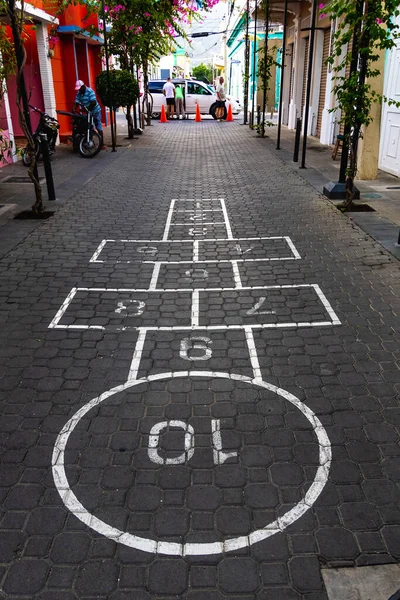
(366, 27)
(144, 30)
(203, 72)
(118, 88)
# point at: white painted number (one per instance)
(255, 311)
(197, 273)
(194, 231)
(196, 217)
(196, 343)
(219, 456)
(133, 308)
(148, 250)
(154, 440)
(240, 251)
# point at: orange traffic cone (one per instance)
(198, 115)
(229, 116)
(163, 118)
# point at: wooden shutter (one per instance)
(324, 73)
(303, 93)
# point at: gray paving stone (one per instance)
(238, 575)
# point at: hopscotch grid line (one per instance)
(196, 247)
(210, 289)
(98, 251)
(192, 210)
(214, 261)
(61, 311)
(293, 248)
(326, 303)
(226, 218)
(206, 327)
(295, 253)
(154, 277)
(169, 219)
(236, 275)
(253, 353)
(137, 355)
(195, 308)
(193, 223)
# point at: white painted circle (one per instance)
(191, 549)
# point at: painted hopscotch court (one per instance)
(196, 453)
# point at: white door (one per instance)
(389, 156)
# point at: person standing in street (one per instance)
(87, 98)
(220, 109)
(169, 93)
(180, 109)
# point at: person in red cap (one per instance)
(87, 98)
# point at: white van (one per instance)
(195, 92)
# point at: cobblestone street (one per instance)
(199, 383)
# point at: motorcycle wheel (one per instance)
(89, 150)
(26, 159)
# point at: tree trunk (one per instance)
(145, 104)
(22, 99)
(130, 122)
(355, 126)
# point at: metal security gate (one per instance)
(324, 73)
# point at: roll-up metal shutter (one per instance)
(303, 93)
(324, 73)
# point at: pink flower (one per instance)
(379, 21)
(146, 14)
(322, 16)
(321, 5)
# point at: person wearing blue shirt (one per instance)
(87, 98)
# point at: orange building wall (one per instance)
(64, 74)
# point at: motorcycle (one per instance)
(47, 125)
(85, 139)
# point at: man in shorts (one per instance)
(220, 109)
(86, 96)
(169, 93)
